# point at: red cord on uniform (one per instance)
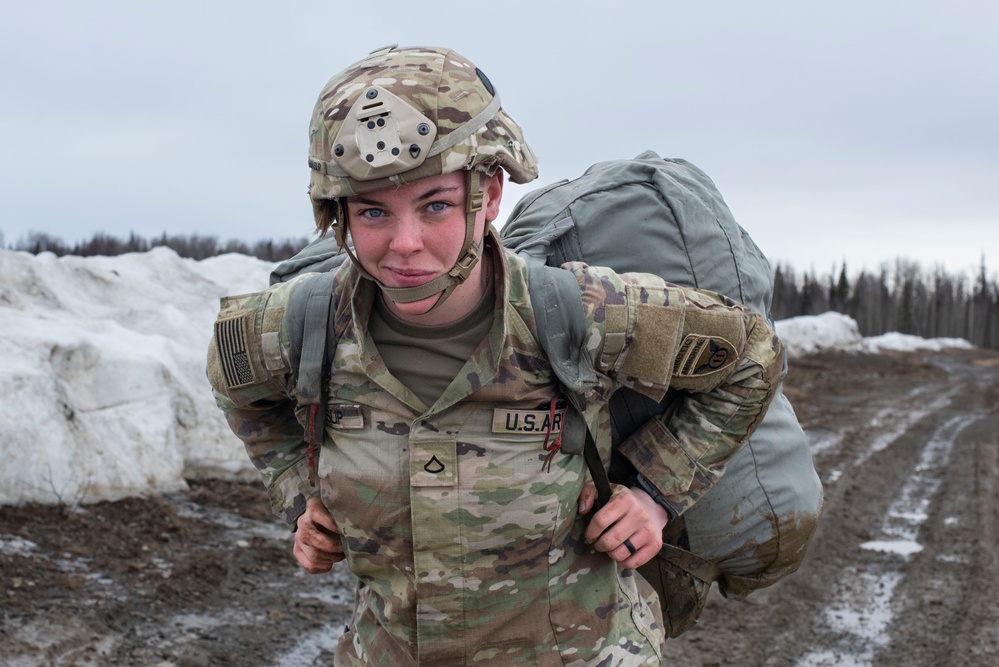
(557, 443)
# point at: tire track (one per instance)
(900, 572)
(859, 617)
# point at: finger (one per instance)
(331, 539)
(621, 553)
(631, 547)
(324, 544)
(316, 548)
(599, 524)
(316, 511)
(318, 529)
(616, 516)
(602, 521)
(632, 529)
(587, 498)
(312, 535)
(312, 560)
(613, 540)
(642, 555)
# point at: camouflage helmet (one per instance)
(402, 114)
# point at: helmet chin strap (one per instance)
(445, 284)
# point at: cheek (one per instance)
(444, 241)
(452, 241)
(367, 245)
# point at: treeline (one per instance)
(194, 246)
(902, 298)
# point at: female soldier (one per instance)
(441, 476)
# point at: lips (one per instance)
(408, 277)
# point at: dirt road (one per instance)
(904, 569)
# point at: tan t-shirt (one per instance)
(427, 358)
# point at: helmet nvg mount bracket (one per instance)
(404, 114)
(382, 136)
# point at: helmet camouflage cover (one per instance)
(404, 114)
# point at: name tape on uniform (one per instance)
(527, 421)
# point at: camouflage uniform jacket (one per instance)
(467, 550)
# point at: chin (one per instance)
(416, 308)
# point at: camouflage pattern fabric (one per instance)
(467, 550)
(443, 86)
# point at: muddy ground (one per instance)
(904, 569)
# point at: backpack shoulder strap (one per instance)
(561, 327)
(309, 319)
(558, 313)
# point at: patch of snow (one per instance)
(897, 547)
(311, 645)
(12, 545)
(103, 361)
(861, 613)
(907, 343)
(821, 441)
(809, 334)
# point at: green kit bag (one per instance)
(665, 216)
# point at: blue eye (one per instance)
(372, 213)
(438, 206)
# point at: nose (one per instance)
(408, 236)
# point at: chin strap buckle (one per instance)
(474, 200)
(463, 267)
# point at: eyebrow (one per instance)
(429, 194)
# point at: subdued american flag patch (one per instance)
(230, 336)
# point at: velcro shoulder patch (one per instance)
(656, 330)
(640, 334)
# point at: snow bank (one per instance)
(103, 364)
(834, 331)
(816, 333)
(906, 343)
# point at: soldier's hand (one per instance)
(630, 514)
(317, 540)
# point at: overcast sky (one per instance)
(856, 130)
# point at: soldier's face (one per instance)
(407, 236)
